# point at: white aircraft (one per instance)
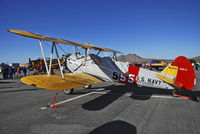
(91, 69)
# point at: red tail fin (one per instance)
(186, 76)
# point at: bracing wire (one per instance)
(61, 48)
(81, 51)
(47, 45)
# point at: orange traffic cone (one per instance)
(54, 103)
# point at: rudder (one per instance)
(185, 76)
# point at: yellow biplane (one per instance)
(88, 69)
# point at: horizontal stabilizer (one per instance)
(168, 79)
(55, 82)
(170, 70)
(168, 74)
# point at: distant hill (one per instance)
(197, 58)
(133, 58)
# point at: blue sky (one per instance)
(149, 28)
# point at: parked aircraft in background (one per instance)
(39, 64)
(156, 65)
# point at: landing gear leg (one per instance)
(174, 92)
(176, 95)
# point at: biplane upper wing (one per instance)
(58, 40)
(55, 82)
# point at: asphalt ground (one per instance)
(106, 108)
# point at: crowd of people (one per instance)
(10, 72)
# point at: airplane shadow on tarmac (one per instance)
(119, 127)
(139, 93)
(21, 90)
(105, 99)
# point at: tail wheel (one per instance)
(174, 92)
(68, 91)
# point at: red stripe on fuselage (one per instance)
(131, 76)
(133, 70)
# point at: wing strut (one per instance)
(61, 71)
(45, 62)
(98, 52)
(51, 57)
(75, 49)
(115, 56)
(86, 54)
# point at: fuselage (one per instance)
(108, 69)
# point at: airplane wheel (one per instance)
(68, 91)
(198, 98)
(174, 92)
(153, 69)
(88, 86)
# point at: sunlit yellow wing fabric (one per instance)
(57, 40)
(55, 82)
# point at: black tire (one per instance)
(198, 98)
(88, 86)
(68, 91)
(153, 69)
(174, 92)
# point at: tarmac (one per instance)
(106, 108)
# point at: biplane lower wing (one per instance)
(55, 82)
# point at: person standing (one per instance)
(14, 71)
(10, 72)
(199, 65)
(24, 71)
(4, 72)
(7, 72)
(193, 64)
(35, 71)
(20, 70)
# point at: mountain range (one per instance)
(133, 58)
